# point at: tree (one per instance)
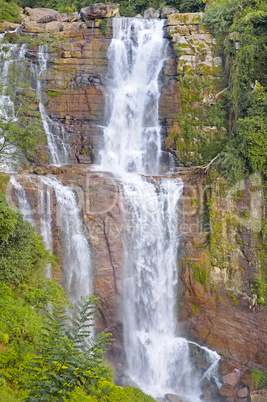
(22, 252)
(67, 355)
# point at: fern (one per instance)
(66, 355)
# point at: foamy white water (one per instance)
(9, 54)
(132, 136)
(75, 249)
(24, 205)
(157, 359)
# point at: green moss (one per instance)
(201, 273)
(260, 290)
(233, 298)
(53, 94)
(195, 308)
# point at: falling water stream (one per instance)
(56, 135)
(9, 54)
(157, 359)
(75, 249)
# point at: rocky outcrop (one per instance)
(99, 11)
(100, 203)
(39, 15)
(151, 13)
(221, 255)
(199, 73)
(167, 11)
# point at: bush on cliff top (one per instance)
(9, 11)
(240, 28)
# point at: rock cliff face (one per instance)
(221, 251)
(100, 205)
(222, 254)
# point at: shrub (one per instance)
(9, 11)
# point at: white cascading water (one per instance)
(45, 217)
(9, 54)
(75, 249)
(24, 205)
(132, 140)
(156, 358)
(56, 135)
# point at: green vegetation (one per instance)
(22, 252)
(66, 355)
(201, 273)
(260, 378)
(53, 94)
(240, 28)
(9, 11)
(260, 290)
(103, 25)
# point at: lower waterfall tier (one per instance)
(206, 316)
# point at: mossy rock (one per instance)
(53, 94)
(39, 171)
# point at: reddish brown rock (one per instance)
(242, 393)
(228, 391)
(221, 317)
(233, 378)
(247, 379)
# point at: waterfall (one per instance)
(74, 246)
(24, 205)
(46, 217)
(132, 137)
(56, 135)
(9, 54)
(157, 359)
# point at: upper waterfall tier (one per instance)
(132, 140)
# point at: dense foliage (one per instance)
(241, 29)
(9, 11)
(22, 252)
(127, 7)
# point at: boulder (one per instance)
(8, 26)
(259, 396)
(247, 379)
(75, 16)
(185, 19)
(99, 10)
(54, 26)
(174, 398)
(242, 393)
(233, 378)
(37, 14)
(166, 11)
(151, 13)
(49, 18)
(228, 391)
(33, 27)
